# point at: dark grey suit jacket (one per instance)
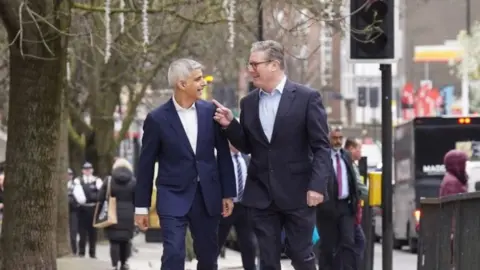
(297, 158)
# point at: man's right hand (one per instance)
(223, 115)
(142, 222)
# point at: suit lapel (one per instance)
(258, 125)
(177, 126)
(286, 101)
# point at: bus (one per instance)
(419, 148)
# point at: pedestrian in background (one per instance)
(353, 147)
(454, 182)
(336, 218)
(122, 183)
(76, 197)
(91, 185)
(239, 218)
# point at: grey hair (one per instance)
(273, 49)
(121, 162)
(180, 69)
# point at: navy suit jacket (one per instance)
(179, 168)
(297, 158)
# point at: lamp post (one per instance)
(260, 20)
(465, 77)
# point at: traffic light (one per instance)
(372, 30)
(362, 97)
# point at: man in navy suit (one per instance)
(283, 125)
(193, 187)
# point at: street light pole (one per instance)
(465, 77)
(468, 17)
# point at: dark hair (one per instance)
(350, 142)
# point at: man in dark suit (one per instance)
(193, 187)
(239, 218)
(283, 125)
(336, 218)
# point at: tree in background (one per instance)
(38, 40)
(471, 47)
(122, 53)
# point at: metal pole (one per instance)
(260, 20)
(468, 17)
(387, 145)
(465, 78)
(367, 220)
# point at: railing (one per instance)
(450, 233)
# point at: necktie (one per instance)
(339, 174)
(239, 177)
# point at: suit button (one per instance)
(271, 171)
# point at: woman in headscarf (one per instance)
(454, 182)
(119, 235)
(455, 179)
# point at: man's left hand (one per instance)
(227, 207)
(314, 198)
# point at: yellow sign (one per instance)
(437, 53)
(375, 188)
(205, 91)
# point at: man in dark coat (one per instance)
(283, 125)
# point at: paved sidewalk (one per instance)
(149, 254)
(148, 257)
(76, 263)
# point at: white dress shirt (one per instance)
(243, 167)
(78, 192)
(188, 118)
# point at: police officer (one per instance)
(91, 186)
(76, 196)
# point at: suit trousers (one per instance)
(298, 225)
(204, 229)
(245, 238)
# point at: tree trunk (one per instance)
(101, 154)
(63, 238)
(36, 84)
(33, 132)
(76, 156)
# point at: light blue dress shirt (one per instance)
(268, 107)
(343, 194)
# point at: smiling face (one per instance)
(261, 69)
(193, 86)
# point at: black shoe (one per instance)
(81, 255)
(124, 267)
(92, 256)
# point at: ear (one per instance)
(275, 66)
(181, 85)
